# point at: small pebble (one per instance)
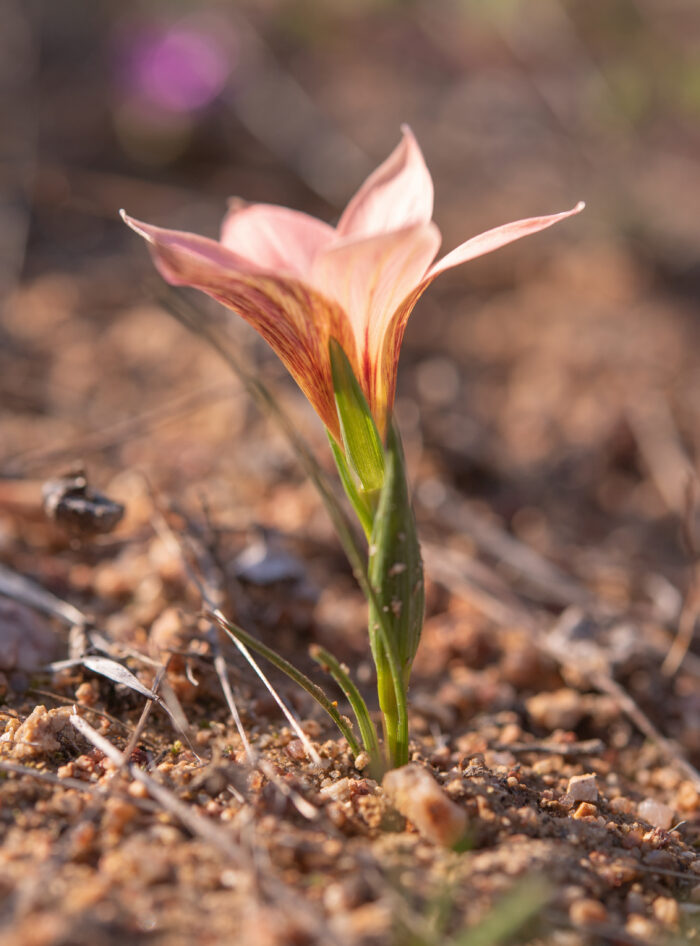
(622, 805)
(295, 750)
(585, 810)
(559, 709)
(587, 912)
(656, 813)
(640, 927)
(583, 788)
(417, 796)
(362, 761)
(666, 911)
(687, 797)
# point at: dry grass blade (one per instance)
(222, 674)
(169, 702)
(304, 807)
(288, 715)
(114, 671)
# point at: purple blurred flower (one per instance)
(181, 68)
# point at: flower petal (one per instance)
(500, 236)
(275, 238)
(383, 383)
(369, 279)
(294, 319)
(398, 194)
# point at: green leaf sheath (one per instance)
(361, 440)
(396, 575)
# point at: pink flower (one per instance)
(299, 281)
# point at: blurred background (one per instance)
(549, 398)
(555, 383)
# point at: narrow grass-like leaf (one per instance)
(341, 676)
(237, 634)
(118, 674)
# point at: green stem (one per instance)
(237, 633)
(341, 676)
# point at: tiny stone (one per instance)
(295, 750)
(88, 693)
(622, 805)
(639, 926)
(587, 912)
(585, 810)
(655, 813)
(687, 797)
(560, 709)
(666, 911)
(361, 761)
(583, 788)
(137, 790)
(663, 859)
(417, 796)
(635, 903)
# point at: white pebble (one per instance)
(583, 788)
(414, 792)
(656, 813)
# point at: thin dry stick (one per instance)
(222, 674)
(143, 719)
(661, 447)
(567, 750)
(48, 777)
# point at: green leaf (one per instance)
(340, 674)
(395, 565)
(237, 633)
(359, 500)
(396, 576)
(363, 445)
